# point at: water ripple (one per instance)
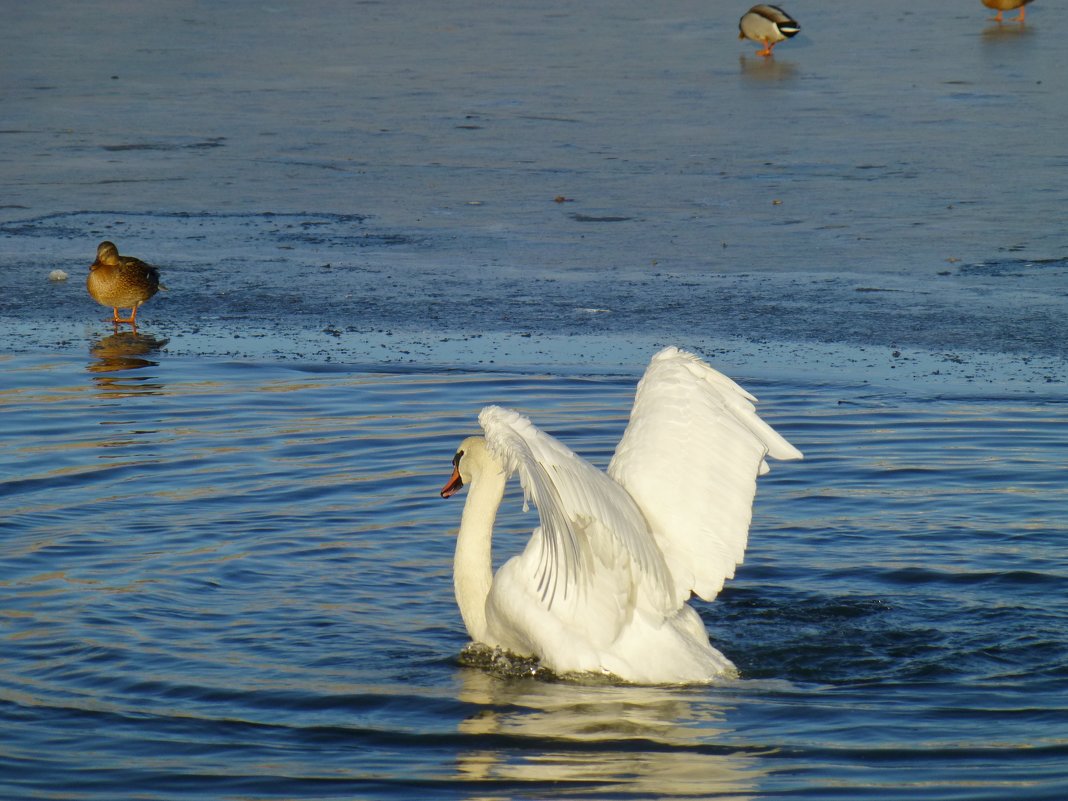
(234, 581)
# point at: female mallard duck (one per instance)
(1001, 6)
(121, 282)
(767, 24)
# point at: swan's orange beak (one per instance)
(454, 485)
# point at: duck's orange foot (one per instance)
(765, 52)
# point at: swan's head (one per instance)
(470, 458)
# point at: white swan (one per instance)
(604, 581)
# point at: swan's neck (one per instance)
(473, 564)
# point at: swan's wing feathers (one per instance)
(590, 527)
(690, 458)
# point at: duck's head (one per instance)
(470, 458)
(106, 253)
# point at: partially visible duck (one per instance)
(1001, 6)
(768, 24)
(121, 282)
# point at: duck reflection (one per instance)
(123, 351)
(997, 32)
(766, 69)
(642, 742)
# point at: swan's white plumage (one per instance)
(690, 458)
(588, 521)
(603, 583)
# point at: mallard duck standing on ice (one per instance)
(121, 282)
(768, 24)
(1001, 6)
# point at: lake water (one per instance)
(233, 580)
(225, 571)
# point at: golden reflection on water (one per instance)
(116, 371)
(683, 722)
(124, 350)
(120, 352)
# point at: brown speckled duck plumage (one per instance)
(121, 282)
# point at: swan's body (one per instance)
(1001, 6)
(603, 583)
(768, 24)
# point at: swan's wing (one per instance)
(690, 458)
(591, 533)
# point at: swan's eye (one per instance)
(456, 459)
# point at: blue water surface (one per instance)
(228, 576)
(233, 580)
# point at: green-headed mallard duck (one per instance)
(121, 282)
(1001, 6)
(768, 24)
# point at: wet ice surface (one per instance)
(545, 184)
(335, 289)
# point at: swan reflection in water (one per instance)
(635, 741)
(120, 352)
